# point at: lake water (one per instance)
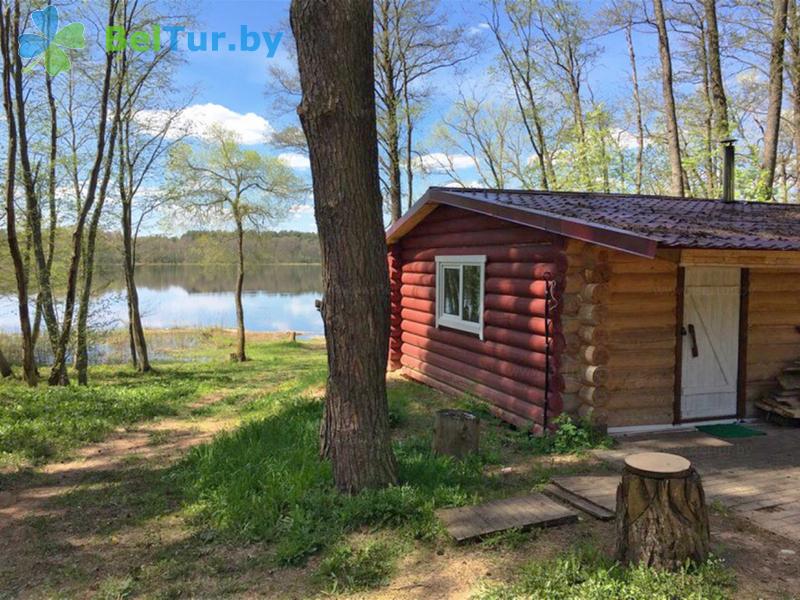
(276, 298)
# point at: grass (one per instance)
(586, 574)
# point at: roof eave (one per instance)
(594, 233)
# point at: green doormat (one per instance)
(732, 430)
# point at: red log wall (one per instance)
(507, 368)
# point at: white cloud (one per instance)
(302, 209)
(295, 160)
(467, 184)
(626, 139)
(479, 28)
(198, 119)
(439, 162)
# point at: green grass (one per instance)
(349, 568)
(586, 574)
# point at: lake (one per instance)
(276, 298)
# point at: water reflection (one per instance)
(277, 298)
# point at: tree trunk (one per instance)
(5, 367)
(721, 124)
(708, 121)
(240, 353)
(773, 124)
(58, 374)
(637, 101)
(338, 116)
(455, 433)
(794, 72)
(673, 142)
(662, 520)
(9, 33)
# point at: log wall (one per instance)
(508, 368)
(773, 342)
(619, 365)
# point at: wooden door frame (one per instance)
(741, 379)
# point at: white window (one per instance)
(459, 292)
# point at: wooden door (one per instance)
(710, 343)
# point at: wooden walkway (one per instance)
(534, 510)
(757, 477)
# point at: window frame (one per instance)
(452, 321)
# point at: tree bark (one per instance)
(673, 141)
(773, 124)
(5, 367)
(637, 103)
(240, 350)
(721, 124)
(794, 76)
(335, 56)
(661, 523)
(9, 34)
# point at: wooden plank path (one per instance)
(522, 512)
(758, 478)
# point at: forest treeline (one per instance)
(191, 248)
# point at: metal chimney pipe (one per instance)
(728, 168)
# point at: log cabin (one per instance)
(635, 312)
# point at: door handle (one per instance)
(695, 349)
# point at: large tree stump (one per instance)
(662, 519)
(455, 433)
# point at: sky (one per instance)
(231, 87)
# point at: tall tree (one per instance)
(335, 56)
(225, 181)
(773, 120)
(794, 78)
(721, 125)
(9, 34)
(670, 115)
(637, 104)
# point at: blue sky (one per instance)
(234, 84)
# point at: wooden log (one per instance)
(521, 356)
(500, 253)
(658, 283)
(594, 396)
(456, 433)
(517, 287)
(425, 279)
(467, 223)
(545, 271)
(594, 355)
(508, 235)
(594, 293)
(416, 316)
(570, 303)
(572, 402)
(420, 266)
(419, 291)
(662, 519)
(572, 384)
(428, 306)
(505, 401)
(523, 340)
(592, 314)
(522, 323)
(643, 266)
(516, 304)
(593, 335)
(527, 393)
(523, 374)
(595, 375)
(597, 274)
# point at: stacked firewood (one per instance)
(784, 400)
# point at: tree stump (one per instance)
(455, 433)
(662, 519)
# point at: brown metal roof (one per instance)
(632, 223)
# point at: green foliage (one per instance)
(571, 437)
(44, 422)
(346, 569)
(265, 482)
(586, 574)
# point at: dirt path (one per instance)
(65, 518)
